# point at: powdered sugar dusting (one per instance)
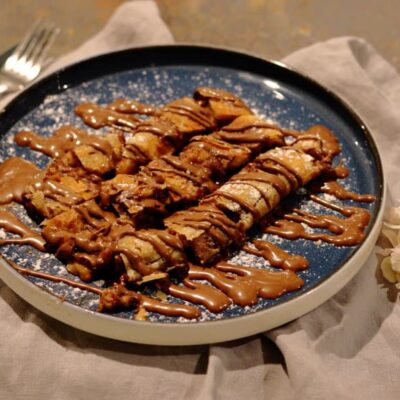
(279, 103)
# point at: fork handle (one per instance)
(7, 86)
(4, 89)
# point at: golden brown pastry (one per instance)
(206, 231)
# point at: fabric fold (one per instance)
(356, 72)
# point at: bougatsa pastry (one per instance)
(172, 182)
(139, 204)
(166, 184)
(87, 158)
(206, 231)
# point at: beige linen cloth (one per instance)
(348, 348)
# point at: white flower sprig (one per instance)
(390, 265)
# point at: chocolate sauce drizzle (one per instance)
(64, 139)
(340, 192)
(98, 117)
(193, 112)
(11, 224)
(276, 256)
(348, 231)
(211, 298)
(126, 106)
(243, 285)
(202, 216)
(227, 283)
(233, 283)
(118, 296)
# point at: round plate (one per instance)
(157, 75)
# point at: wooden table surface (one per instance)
(270, 28)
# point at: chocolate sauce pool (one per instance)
(16, 174)
(64, 139)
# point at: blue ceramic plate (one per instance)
(157, 75)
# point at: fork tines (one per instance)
(27, 59)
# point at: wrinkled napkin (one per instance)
(348, 348)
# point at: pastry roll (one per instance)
(223, 218)
(224, 105)
(166, 184)
(173, 182)
(95, 158)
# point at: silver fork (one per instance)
(28, 58)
